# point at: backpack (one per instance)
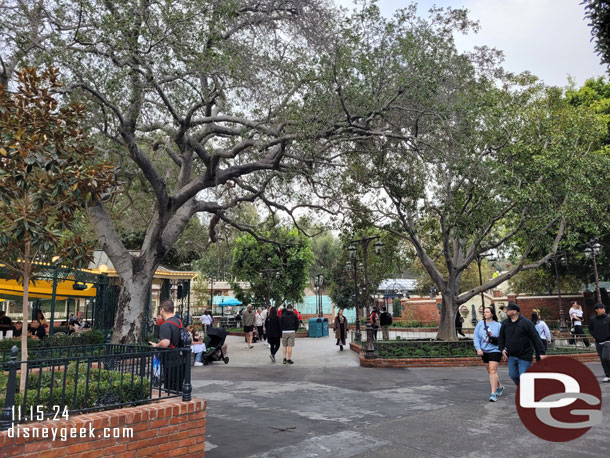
(183, 335)
(373, 317)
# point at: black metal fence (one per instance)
(95, 377)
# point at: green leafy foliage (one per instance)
(48, 173)
(278, 271)
(93, 337)
(598, 13)
(57, 388)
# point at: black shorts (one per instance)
(248, 328)
(495, 356)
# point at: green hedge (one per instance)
(412, 324)
(425, 350)
(82, 338)
(108, 392)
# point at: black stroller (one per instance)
(215, 346)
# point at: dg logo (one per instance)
(559, 399)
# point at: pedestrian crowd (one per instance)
(517, 340)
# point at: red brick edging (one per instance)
(442, 362)
(168, 428)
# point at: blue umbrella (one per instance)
(229, 303)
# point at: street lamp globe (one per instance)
(348, 266)
(597, 248)
(378, 246)
(352, 251)
(588, 252)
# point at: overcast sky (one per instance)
(550, 38)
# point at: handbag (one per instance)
(492, 340)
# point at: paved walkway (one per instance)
(326, 405)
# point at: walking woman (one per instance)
(543, 330)
(577, 331)
(274, 332)
(486, 343)
(259, 323)
(340, 327)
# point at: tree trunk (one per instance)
(446, 327)
(27, 273)
(130, 317)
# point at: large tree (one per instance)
(455, 155)
(49, 172)
(206, 100)
(276, 269)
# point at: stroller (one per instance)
(215, 346)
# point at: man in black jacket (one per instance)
(518, 340)
(599, 327)
(290, 325)
(385, 320)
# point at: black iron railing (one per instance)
(74, 380)
(49, 353)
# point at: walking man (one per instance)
(599, 327)
(385, 320)
(248, 319)
(290, 326)
(518, 341)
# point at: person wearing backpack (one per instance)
(385, 320)
(374, 319)
(172, 334)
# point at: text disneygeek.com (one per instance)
(65, 433)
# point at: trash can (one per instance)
(324, 327)
(315, 327)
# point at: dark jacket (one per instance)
(599, 327)
(273, 327)
(520, 339)
(385, 319)
(290, 322)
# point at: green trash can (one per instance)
(324, 327)
(315, 327)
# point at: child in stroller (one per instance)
(216, 349)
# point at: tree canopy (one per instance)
(598, 13)
(49, 173)
(455, 155)
(277, 270)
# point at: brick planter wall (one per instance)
(443, 362)
(169, 428)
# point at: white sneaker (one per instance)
(197, 363)
(606, 379)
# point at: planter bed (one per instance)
(417, 356)
(243, 334)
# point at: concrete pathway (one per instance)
(326, 405)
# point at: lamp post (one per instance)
(480, 257)
(364, 244)
(318, 281)
(212, 294)
(592, 250)
(270, 274)
(354, 269)
(559, 257)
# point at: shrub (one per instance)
(104, 387)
